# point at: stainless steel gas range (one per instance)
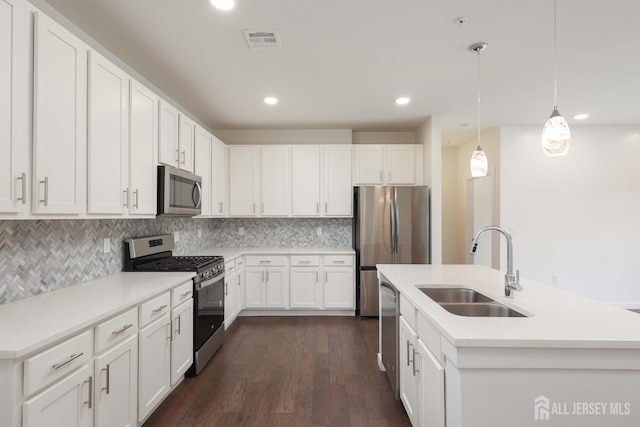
(155, 253)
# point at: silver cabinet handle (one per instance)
(121, 330)
(23, 179)
(305, 262)
(45, 201)
(381, 177)
(179, 330)
(125, 195)
(414, 362)
(178, 156)
(162, 307)
(69, 360)
(106, 387)
(317, 207)
(254, 208)
(338, 261)
(89, 402)
(326, 276)
(220, 208)
(317, 274)
(326, 207)
(135, 195)
(184, 156)
(265, 262)
(185, 294)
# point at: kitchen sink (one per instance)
(455, 295)
(483, 309)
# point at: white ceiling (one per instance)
(343, 62)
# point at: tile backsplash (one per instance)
(44, 255)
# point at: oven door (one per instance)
(179, 192)
(209, 315)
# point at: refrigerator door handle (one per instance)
(394, 222)
(392, 227)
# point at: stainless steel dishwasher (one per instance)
(389, 316)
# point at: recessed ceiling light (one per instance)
(270, 100)
(403, 100)
(224, 4)
(581, 116)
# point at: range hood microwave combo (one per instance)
(179, 192)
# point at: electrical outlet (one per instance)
(319, 231)
(199, 233)
(176, 236)
(556, 278)
(241, 231)
(106, 245)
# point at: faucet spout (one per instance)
(511, 280)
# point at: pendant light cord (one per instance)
(555, 56)
(478, 52)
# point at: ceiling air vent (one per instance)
(262, 39)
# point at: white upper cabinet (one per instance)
(387, 165)
(143, 150)
(336, 181)
(186, 138)
(305, 180)
(244, 180)
(219, 187)
(203, 163)
(14, 106)
(108, 137)
(60, 137)
(168, 144)
(275, 192)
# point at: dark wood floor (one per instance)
(288, 371)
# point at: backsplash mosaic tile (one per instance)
(44, 255)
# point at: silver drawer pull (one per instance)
(121, 330)
(304, 262)
(23, 180)
(338, 262)
(185, 294)
(45, 200)
(69, 360)
(90, 401)
(162, 307)
(265, 262)
(106, 388)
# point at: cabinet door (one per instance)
(230, 286)
(154, 365)
(430, 388)
(66, 403)
(275, 187)
(368, 165)
(254, 289)
(400, 164)
(219, 187)
(14, 105)
(277, 280)
(60, 106)
(339, 287)
(181, 340)
(143, 150)
(202, 167)
(168, 148)
(305, 287)
(186, 138)
(244, 186)
(108, 137)
(338, 192)
(116, 385)
(408, 381)
(305, 181)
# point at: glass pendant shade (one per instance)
(555, 136)
(479, 163)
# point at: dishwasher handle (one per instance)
(388, 292)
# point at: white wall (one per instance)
(285, 136)
(578, 215)
(449, 206)
(384, 138)
(429, 134)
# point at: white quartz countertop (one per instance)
(231, 253)
(556, 318)
(31, 323)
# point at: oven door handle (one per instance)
(210, 282)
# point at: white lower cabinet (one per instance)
(239, 296)
(305, 287)
(267, 281)
(407, 368)
(116, 385)
(430, 387)
(230, 287)
(154, 365)
(339, 290)
(181, 340)
(67, 403)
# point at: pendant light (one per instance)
(555, 134)
(479, 163)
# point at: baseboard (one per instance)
(249, 313)
(627, 305)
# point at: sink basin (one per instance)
(483, 309)
(448, 295)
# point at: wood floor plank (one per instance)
(289, 372)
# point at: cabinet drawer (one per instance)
(154, 309)
(330, 260)
(267, 260)
(115, 330)
(305, 260)
(430, 336)
(230, 267)
(181, 294)
(52, 364)
(408, 311)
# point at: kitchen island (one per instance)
(571, 361)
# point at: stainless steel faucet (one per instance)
(511, 281)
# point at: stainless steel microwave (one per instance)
(179, 192)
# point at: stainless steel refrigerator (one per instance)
(391, 226)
